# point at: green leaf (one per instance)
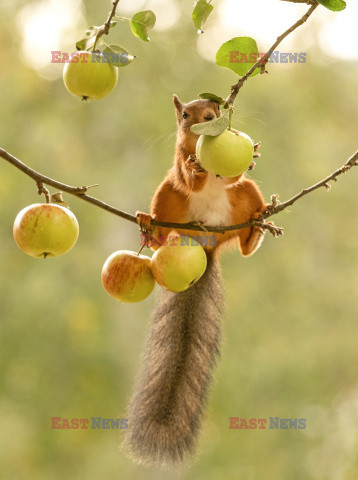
(238, 54)
(212, 97)
(334, 5)
(86, 43)
(142, 22)
(212, 128)
(117, 55)
(201, 13)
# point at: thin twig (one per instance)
(351, 162)
(263, 60)
(79, 192)
(107, 25)
(274, 208)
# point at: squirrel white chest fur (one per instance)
(211, 205)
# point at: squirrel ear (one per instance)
(177, 103)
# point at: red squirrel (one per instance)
(189, 193)
(166, 409)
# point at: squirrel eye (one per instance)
(185, 115)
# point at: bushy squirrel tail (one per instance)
(166, 409)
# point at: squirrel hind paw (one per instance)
(257, 146)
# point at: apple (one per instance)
(127, 276)
(89, 75)
(228, 154)
(177, 265)
(45, 230)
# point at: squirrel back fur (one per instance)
(171, 393)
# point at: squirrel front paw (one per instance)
(146, 229)
(144, 222)
(194, 166)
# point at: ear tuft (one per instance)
(177, 103)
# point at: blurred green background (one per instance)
(291, 331)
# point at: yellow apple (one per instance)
(45, 230)
(127, 276)
(178, 265)
(89, 75)
(228, 154)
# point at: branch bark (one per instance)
(274, 208)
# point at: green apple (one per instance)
(228, 154)
(89, 75)
(127, 276)
(178, 265)
(45, 230)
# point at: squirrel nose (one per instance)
(209, 116)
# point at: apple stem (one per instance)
(140, 250)
(230, 116)
(41, 189)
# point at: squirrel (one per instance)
(166, 410)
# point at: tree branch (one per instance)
(274, 208)
(79, 192)
(107, 25)
(263, 60)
